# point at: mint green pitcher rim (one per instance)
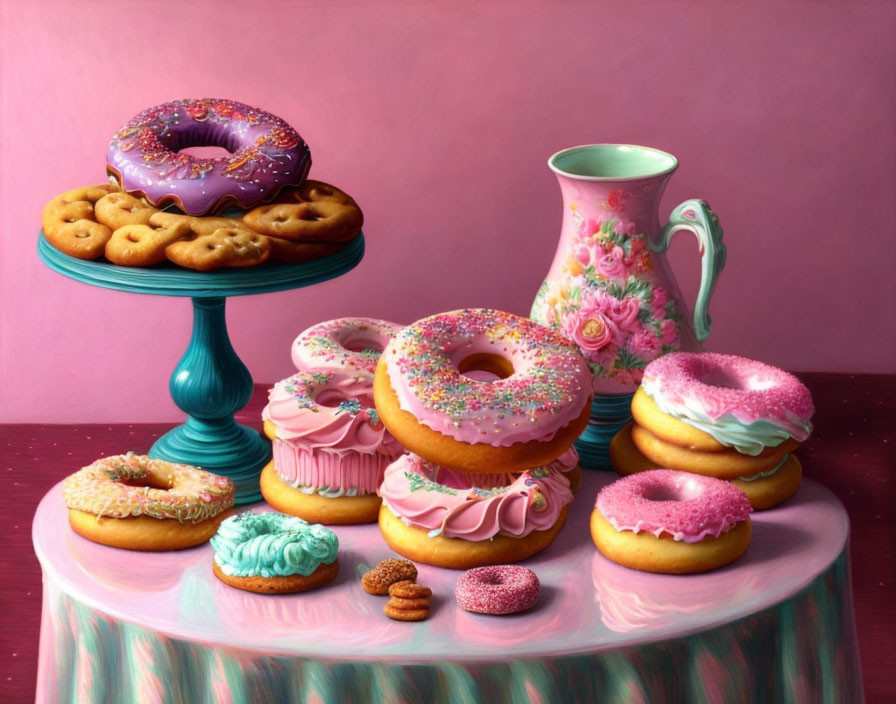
(612, 162)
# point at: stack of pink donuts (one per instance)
(330, 447)
(711, 440)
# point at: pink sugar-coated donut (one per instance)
(688, 507)
(347, 345)
(698, 385)
(497, 589)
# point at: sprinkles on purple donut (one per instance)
(266, 155)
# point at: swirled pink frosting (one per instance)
(688, 507)
(325, 409)
(347, 345)
(549, 387)
(448, 503)
(330, 472)
(717, 385)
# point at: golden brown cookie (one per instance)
(119, 209)
(144, 245)
(405, 614)
(297, 252)
(214, 243)
(378, 580)
(280, 585)
(70, 225)
(406, 589)
(313, 212)
(410, 604)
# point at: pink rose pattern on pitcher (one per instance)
(607, 298)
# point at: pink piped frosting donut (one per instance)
(329, 436)
(470, 506)
(346, 345)
(497, 589)
(741, 402)
(688, 507)
(549, 387)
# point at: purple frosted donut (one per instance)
(348, 345)
(497, 589)
(266, 155)
(688, 507)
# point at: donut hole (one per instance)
(682, 491)
(722, 378)
(149, 480)
(483, 366)
(361, 344)
(206, 151)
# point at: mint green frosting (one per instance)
(272, 545)
(747, 438)
(765, 475)
(326, 492)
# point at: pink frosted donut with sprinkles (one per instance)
(674, 522)
(740, 402)
(346, 345)
(266, 155)
(497, 589)
(528, 415)
(136, 502)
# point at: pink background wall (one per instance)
(439, 118)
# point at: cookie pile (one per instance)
(302, 224)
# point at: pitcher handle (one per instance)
(696, 216)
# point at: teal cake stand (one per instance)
(209, 383)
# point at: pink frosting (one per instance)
(689, 507)
(549, 387)
(348, 345)
(448, 503)
(497, 589)
(717, 385)
(336, 471)
(324, 409)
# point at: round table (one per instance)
(777, 625)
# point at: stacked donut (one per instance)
(719, 416)
(161, 202)
(329, 446)
(486, 480)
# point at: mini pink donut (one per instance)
(497, 589)
(688, 507)
(348, 345)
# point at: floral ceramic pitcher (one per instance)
(609, 288)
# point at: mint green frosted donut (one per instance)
(272, 545)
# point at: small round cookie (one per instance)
(498, 589)
(313, 212)
(671, 522)
(138, 503)
(119, 209)
(346, 345)
(528, 416)
(70, 225)
(271, 553)
(380, 579)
